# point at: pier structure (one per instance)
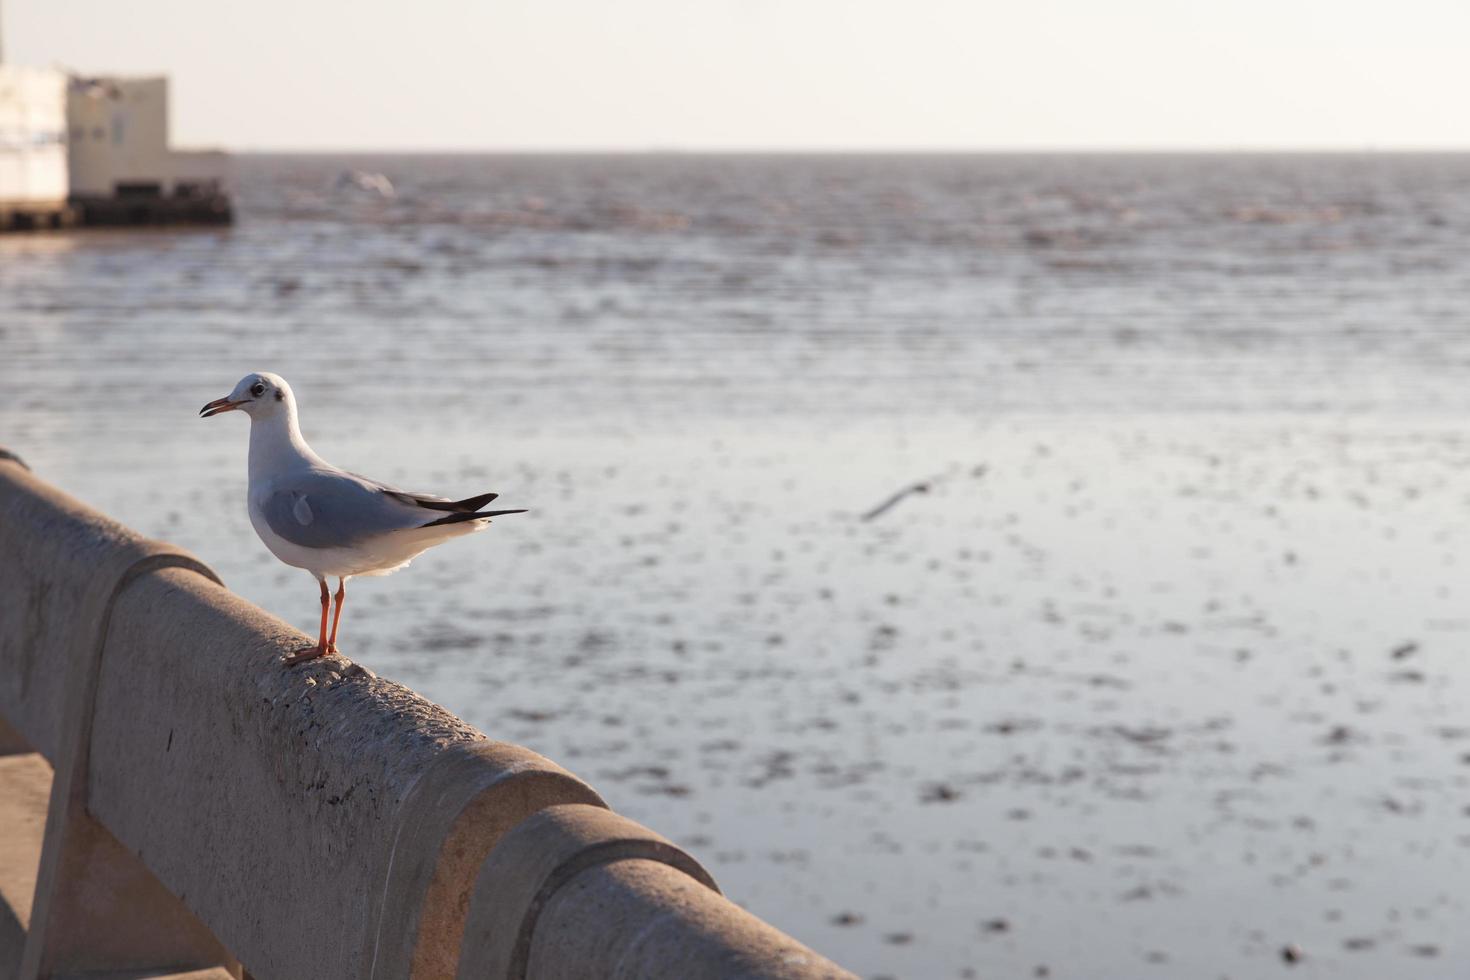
(33, 151)
(175, 802)
(122, 170)
(80, 150)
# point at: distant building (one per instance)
(119, 143)
(33, 166)
(95, 151)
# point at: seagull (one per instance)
(312, 515)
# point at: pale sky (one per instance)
(779, 74)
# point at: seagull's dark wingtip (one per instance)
(466, 506)
(476, 516)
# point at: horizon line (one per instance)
(1336, 150)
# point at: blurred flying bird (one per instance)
(314, 516)
(923, 486)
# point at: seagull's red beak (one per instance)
(217, 406)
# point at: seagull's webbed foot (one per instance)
(322, 647)
(307, 653)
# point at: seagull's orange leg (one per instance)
(336, 616)
(320, 650)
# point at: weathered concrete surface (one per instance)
(535, 860)
(51, 544)
(212, 974)
(644, 920)
(11, 743)
(301, 814)
(25, 786)
(96, 906)
(470, 800)
(209, 803)
(575, 892)
(290, 786)
(97, 909)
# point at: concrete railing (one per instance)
(174, 801)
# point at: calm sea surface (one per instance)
(1166, 671)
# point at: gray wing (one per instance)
(333, 510)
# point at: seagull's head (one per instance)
(259, 396)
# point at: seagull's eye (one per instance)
(258, 389)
